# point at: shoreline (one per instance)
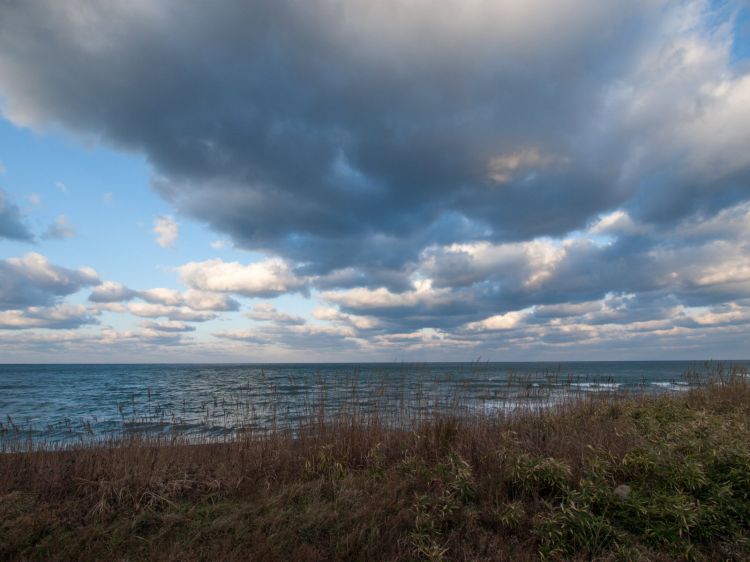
(199, 402)
(487, 487)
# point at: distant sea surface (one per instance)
(68, 402)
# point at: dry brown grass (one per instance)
(470, 487)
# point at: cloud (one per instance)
(702, 262)
(276, 329)
(60, 229)
(33, 281)
(340, 138)
(168, 326)
(519, 264)
(196, 300)
(334, 315)
(315, 337)
(110, 291)
(12, 226)
(494, 101)
(177, 306)
(102, 345)
(506, 167)
(174, 313)
(266, 312)
(265, 278)
(617, 223)
(57, 340)
(61, 186)
(179, 311)
(113, 292)
(565, 310)
(59, 317)
(166, 231)
(244, 336)
(143, 340)
(506, 321)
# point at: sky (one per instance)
(362, 180)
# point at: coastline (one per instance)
(612, 478)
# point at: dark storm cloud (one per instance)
(342, 133)
(12, 226)
(33, 281)
(644, 277)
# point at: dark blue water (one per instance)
(63, 402)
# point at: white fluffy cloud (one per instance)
(58, 317)
(33, 281)
(421, 294)
(111, 291)
(166, 231)
(265, 278)
(177, 306)
(266, 312)
(506, 321)
(194, 299)
(150, 310)
(168, 326)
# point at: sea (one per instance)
(71, 403)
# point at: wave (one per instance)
(674, 386)
(597, 386)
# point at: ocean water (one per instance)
(62, 403)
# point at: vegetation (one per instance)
(614, 478)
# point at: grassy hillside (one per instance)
(639, 478)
